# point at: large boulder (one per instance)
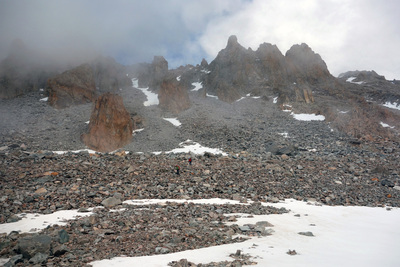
(72, 87)
(173, 97)
(110, 124)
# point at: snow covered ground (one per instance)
(341, 236)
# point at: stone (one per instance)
(306, 233)
(111, 202)
(110, 124)
(173, 97)
(31, 245)
(63, 236)
(72, 87)
(41, 191)
(39, 258)
(14, 260)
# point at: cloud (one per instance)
(349, 35)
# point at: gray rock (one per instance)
(306, 233)
(31, 245)
(39, 258)
(161, 250)
(14, 260)
(244, 228)
(111, 202)
(63, 236)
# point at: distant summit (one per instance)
(237, 71)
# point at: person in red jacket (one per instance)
(190, 161)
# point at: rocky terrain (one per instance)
(348, 159)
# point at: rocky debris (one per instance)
(291, 252)
(346, 176)
(72, 87)
(173, 97)
(110, 124)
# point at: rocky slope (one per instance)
(348, 159)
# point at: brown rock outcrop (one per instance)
(72, 87)
(110, 124)
(173, 97)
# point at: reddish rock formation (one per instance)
(173, 97)
(72, 87)
(110, 124)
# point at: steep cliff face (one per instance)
(237, 71)
(76, 86)
(109, 75)
(231, 72)
(110, 124)
(173, 97)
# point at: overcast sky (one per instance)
(348, 34)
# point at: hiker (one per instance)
(190, 161)
(177, 169)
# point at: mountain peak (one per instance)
(232, 41)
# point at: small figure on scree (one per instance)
(190, 161)
(177, 169)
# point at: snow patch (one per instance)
(393, 105)
(137, 131)
(178, 78)
(386, 125)
(351, 79)
(213, 96)
(33, 222)
(197, 86)
(152, 98)
(284, 134)
(308, 117)
(44, 99)
(192, 147)
(174, 121)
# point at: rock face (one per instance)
(76, 86)
(151, 75)
(22, 72)
(237, 71)
(173, 97)
(109, 75)
(110, 124)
